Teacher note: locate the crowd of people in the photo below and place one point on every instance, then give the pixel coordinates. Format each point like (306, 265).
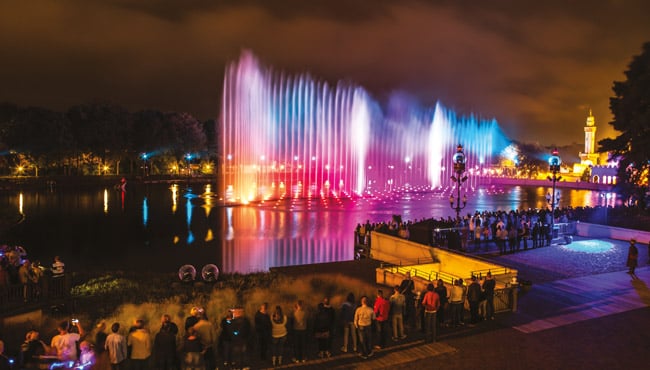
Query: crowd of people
(16, 270)
(510, 231)
(272, 336)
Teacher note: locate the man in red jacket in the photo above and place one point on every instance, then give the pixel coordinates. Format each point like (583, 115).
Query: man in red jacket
(431, 304)
(382, 313)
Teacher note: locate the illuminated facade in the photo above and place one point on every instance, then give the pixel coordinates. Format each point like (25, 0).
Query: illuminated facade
(589, 157)
(591, 160)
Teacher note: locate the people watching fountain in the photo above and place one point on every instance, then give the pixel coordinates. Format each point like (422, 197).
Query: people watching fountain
(64, 344)
(58, 267)
(116, 348)
(140, 342)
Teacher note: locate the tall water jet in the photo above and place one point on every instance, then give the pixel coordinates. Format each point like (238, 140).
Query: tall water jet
(290, 136)
(296, 136)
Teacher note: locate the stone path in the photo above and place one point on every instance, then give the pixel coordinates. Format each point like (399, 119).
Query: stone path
(569, 301)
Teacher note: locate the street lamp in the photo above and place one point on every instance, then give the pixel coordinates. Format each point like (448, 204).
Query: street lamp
(145, 157)
(554, 163)
(459, 179)
(188, 159)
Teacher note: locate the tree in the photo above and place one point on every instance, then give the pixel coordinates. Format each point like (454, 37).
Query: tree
(631, 110)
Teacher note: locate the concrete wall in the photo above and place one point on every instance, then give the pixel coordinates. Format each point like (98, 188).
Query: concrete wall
(398, 251)
(402, 252)
(617, 233)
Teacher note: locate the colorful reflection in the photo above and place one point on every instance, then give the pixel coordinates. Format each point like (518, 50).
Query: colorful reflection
(201, 230)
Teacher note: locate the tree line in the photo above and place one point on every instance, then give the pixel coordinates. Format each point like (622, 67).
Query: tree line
(103, 139)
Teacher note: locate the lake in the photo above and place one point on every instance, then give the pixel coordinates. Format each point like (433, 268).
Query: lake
(160, 227)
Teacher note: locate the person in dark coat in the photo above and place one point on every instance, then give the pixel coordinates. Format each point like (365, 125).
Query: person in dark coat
(632, 257)
(263, 330)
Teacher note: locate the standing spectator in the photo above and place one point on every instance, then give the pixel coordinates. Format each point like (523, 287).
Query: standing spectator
(512, 237)
(474, 298)
(441, 290)
(31, 349)
(58, 267)
(382, 312)
(502, 237)
(347, 321)
(323, 327)
(140, 342)
(535, 234)
(65, 343)
(116, 348)
(397, 305)
(29, 280)
(167, 320)
(457, 299)
(278, 335)
(206, 332)
(236, 330)
(431, 304)
(632, 257)
(4, 360)
(363, 318)
(164, 346)
(488, 289)
(407, 288)
(100, 344)
(299, 332)
(193, 318)
(192, 351)
(263, 329)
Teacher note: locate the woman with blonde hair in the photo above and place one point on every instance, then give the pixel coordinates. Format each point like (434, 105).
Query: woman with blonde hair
(278, 335)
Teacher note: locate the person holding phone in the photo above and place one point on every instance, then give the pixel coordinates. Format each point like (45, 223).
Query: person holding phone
(65, 343)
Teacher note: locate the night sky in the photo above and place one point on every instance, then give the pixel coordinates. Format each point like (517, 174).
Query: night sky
(535, 66)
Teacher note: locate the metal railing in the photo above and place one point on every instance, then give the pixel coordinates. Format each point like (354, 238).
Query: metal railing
(494, 271)
(48, 290)
(420, 273)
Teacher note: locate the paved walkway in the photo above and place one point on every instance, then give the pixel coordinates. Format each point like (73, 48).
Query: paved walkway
(568, 301)
(581, 309)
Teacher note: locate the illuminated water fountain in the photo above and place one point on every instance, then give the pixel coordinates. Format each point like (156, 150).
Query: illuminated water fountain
(296, 136)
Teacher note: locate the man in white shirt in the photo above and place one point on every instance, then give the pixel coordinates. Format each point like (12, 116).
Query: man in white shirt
(363, 317)
(65, 343)
(116, 347)
(140, 342)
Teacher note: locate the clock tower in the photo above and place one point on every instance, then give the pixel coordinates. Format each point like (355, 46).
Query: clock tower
(589, 157)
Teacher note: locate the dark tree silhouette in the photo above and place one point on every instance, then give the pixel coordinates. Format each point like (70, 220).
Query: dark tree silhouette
(631, 109)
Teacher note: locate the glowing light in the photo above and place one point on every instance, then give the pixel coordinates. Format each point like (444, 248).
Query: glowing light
(145, 211)
(589, 246)
(174, 190)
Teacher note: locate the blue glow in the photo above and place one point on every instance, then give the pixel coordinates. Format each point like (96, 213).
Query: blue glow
(145, 211)
(189, 207)
(589, 246)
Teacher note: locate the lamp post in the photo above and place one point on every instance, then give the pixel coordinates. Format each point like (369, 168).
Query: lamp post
(459, 179)
(145, 157)
(554, 163)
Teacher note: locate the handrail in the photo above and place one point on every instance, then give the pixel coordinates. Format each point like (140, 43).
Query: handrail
(494, 271)
(426, 275)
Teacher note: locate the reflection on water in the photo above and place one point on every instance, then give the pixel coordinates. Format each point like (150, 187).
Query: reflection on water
(145, 227)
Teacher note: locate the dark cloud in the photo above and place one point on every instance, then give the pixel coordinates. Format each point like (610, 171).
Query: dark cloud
(339, 10)
(537, 67)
